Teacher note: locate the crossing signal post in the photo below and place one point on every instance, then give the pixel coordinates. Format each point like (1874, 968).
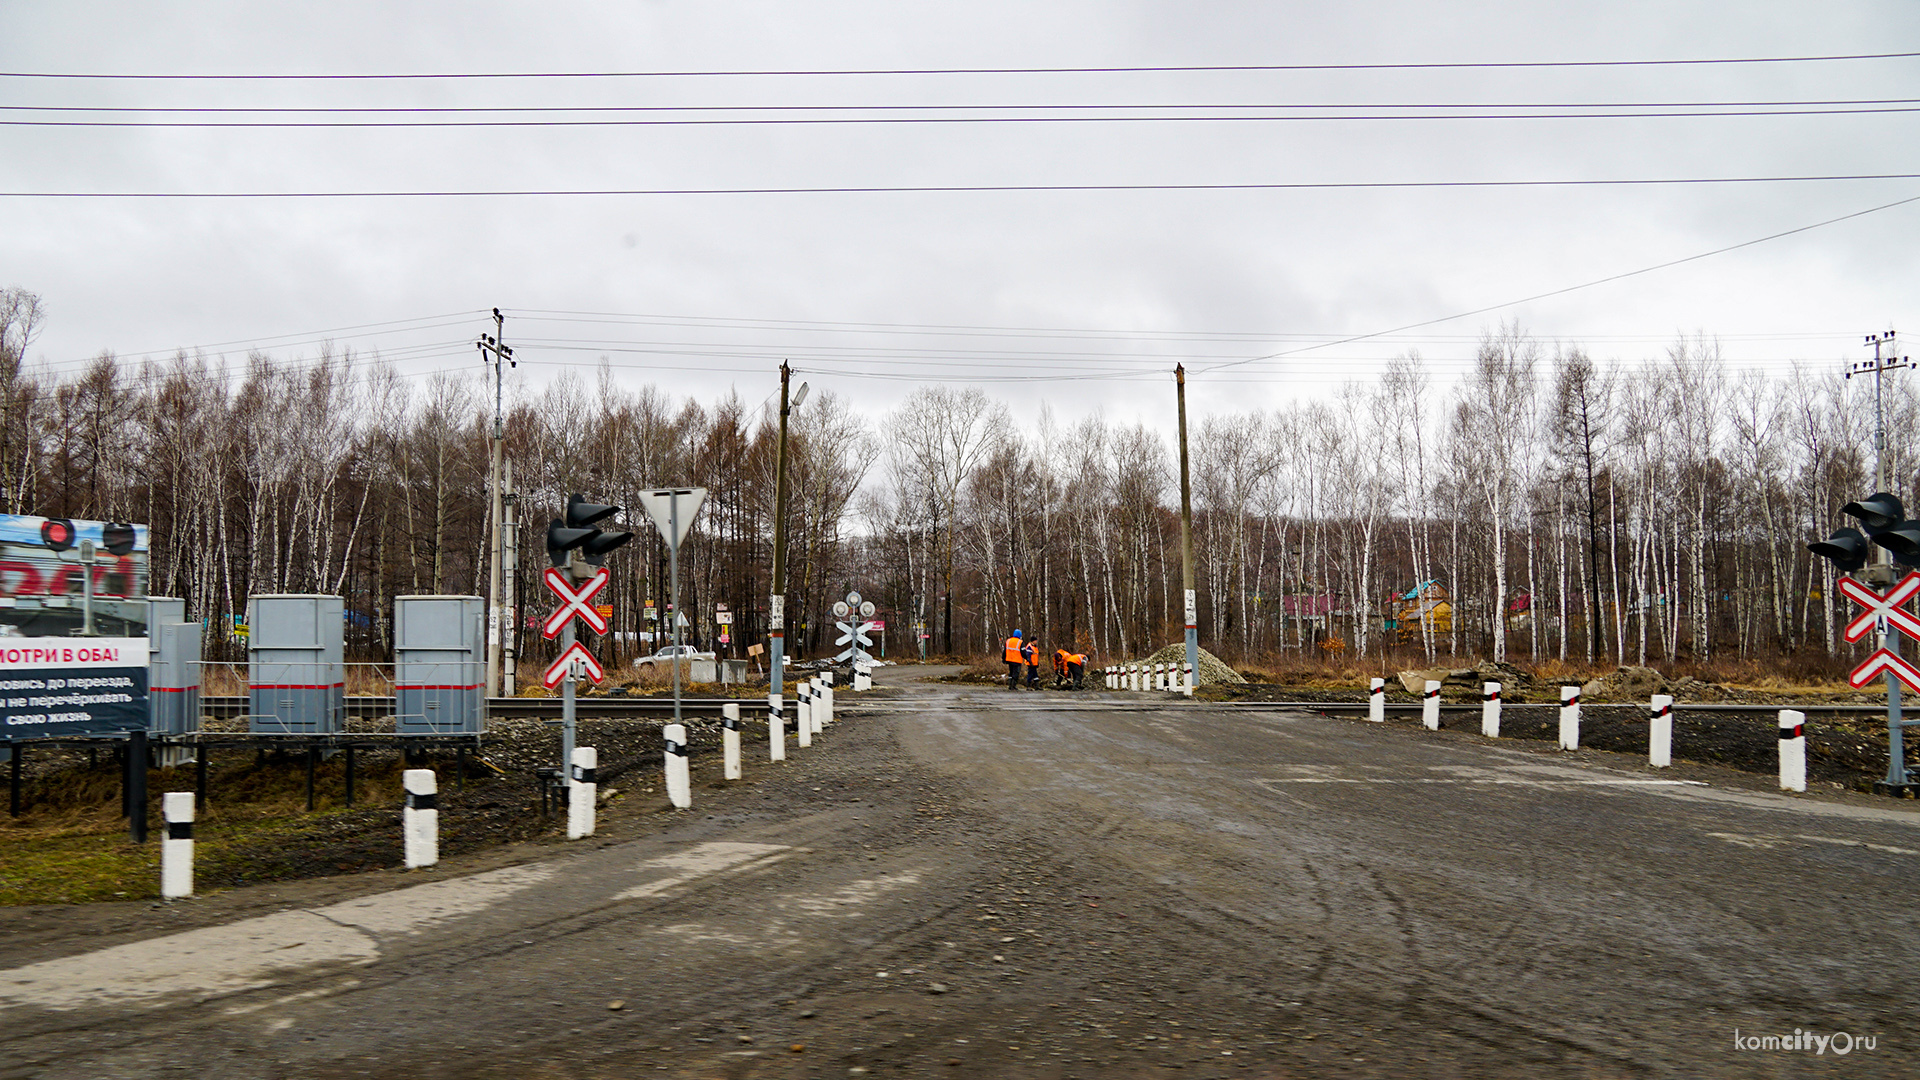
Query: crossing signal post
(578, 551)
(1885, 536)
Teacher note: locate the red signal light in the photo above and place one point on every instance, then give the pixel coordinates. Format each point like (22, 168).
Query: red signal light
(57, 533)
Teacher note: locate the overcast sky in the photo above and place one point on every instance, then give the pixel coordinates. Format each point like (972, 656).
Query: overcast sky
(705, 292)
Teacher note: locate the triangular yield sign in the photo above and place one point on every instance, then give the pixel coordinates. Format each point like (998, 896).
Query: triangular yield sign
(667, 516)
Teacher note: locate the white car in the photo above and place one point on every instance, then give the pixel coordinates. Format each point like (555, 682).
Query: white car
(671, 653)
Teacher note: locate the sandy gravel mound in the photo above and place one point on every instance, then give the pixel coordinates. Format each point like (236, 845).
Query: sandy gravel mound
(1212, 668)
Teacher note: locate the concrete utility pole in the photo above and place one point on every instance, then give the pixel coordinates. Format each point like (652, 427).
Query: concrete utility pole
(493, 350)
(509, 579)
(1186, 539)
(776, 603)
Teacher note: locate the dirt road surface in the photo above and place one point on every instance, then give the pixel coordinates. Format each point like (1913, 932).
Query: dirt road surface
(965, 882)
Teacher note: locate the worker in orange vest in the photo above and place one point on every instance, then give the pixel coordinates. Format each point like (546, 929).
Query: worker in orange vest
(1015, 661)
(1060, 666)
(1077, 670)
(1030, 652)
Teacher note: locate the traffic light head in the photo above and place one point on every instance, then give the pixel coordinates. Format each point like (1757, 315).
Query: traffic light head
(581, 513)
(1903, 540)
(561, 540)
(118, 539)
(1847, 548)
(576, 532)
(57, 533)
(1877, 511)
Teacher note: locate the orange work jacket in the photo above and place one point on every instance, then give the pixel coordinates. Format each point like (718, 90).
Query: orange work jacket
(1013, 651)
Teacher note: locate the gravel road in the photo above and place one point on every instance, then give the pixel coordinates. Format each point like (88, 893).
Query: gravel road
(966, 882)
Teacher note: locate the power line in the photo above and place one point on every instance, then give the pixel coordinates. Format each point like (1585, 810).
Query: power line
(462, 110)
(1574, 288)
(929, 121)
(938, 189)
(809, 72)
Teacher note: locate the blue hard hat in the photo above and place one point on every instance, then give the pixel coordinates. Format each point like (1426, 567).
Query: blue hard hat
(1016, 633)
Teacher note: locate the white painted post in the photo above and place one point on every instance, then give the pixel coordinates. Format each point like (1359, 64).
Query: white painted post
(176, 848)
(1490, 710)
(1106, 674)
(803, 711)
(1569, 718)
(1660, 731)
(862, 678)
(1430, 706)
(776, 729)
(1377, 701)
(420, 820)
(826, 688)
(1793, 750)
(730, 741)
(1187, 680)
(1165, 671)
(582, 790)
(679, 779)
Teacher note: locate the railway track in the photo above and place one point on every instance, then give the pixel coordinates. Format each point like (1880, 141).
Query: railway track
(230, 706)
(227, 707)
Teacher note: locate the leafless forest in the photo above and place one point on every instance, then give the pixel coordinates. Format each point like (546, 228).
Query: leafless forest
(1648, 509)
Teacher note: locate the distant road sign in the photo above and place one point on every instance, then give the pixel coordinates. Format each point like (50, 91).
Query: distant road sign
(574, 602)
(1880, 607)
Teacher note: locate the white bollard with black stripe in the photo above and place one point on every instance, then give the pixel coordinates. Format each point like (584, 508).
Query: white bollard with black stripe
(1569, 718)
(420, 820)
(803, 711)
(1186, 680)
(1660, 731)
(730, 741)
(583, 788)
(1377, 701)
(176, 848)
(1793, 750)
(826, 691)
(776, 729)
(679, 776)
(862, 678)
(1490, 710)
(1430, 706)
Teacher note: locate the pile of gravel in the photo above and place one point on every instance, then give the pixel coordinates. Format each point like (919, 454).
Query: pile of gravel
(1212, 668)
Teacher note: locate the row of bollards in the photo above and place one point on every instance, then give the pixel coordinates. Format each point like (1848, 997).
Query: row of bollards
(420, 814)
(1793, 740)
(1175, 678)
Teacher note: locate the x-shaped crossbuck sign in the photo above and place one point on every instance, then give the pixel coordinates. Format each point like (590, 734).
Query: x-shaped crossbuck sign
(574, 602)
(1879, 607)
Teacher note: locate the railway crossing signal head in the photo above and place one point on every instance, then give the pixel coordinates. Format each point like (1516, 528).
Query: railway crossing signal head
(1876, 512)
(118, 539)
(577, 532)
(57, 533)
(1847, 548)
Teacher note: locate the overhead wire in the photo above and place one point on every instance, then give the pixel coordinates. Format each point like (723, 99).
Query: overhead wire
(875, 189)
(1109, 69)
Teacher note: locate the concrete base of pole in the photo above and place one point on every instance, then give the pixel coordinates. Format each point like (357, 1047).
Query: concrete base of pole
(176, 845)
(1569, 718)
(582, 789)
(679, 776)
(1490, 710)
(730, 741)
(776, 729)
(1660, 731)
(420, 820)
(1430, 706)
